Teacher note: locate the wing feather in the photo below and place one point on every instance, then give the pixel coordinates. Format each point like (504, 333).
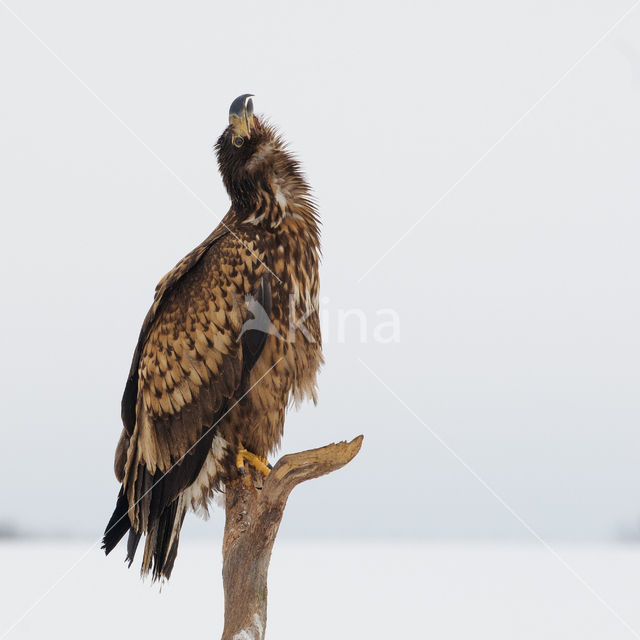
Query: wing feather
(129, 399)
(189, 364)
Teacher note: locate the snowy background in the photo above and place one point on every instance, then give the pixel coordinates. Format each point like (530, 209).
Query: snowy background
(333, 590)
(476, 166)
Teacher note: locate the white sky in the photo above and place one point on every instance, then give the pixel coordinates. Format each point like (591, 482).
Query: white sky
(517, 293)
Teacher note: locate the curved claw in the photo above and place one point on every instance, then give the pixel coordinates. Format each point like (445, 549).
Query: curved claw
(261, 464)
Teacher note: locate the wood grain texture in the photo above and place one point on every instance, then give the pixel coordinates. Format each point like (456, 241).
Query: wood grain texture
(253, 515)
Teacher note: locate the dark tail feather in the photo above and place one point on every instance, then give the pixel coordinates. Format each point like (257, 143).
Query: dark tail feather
(118, 525)
(132, 545)
(161, 546)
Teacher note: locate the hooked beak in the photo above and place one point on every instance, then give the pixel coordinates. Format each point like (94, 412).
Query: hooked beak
(241, 115)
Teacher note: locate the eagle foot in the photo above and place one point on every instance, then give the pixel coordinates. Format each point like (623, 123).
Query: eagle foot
(261, 464)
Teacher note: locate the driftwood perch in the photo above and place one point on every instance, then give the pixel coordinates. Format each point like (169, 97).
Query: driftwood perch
(253, 516)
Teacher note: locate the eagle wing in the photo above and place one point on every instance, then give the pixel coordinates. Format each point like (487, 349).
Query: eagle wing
(188, 365)
(130, 396)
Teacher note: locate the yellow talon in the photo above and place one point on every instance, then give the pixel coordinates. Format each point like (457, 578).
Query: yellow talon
(261, 464)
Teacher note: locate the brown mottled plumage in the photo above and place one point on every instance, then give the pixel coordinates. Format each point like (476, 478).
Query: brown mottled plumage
(232, 337)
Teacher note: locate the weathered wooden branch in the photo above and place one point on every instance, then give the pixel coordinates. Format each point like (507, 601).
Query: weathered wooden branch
(253, 516)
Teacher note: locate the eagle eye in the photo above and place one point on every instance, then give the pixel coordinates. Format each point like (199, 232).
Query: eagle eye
(237, 141)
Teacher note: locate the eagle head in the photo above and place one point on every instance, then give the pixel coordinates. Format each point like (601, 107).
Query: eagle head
(252, 158)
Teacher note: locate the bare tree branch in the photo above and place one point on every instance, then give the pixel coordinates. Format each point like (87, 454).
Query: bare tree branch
(253, 516)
